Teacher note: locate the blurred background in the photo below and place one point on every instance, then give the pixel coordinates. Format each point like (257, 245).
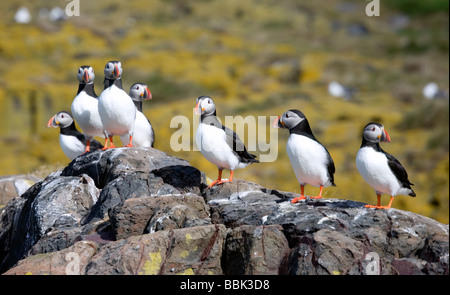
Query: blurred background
(328, 59)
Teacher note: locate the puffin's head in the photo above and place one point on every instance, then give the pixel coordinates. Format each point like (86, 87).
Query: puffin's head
(140, 92)
(289, 119)
(374, 132)
(113, 70)
(86, 74)
(61, 119)
(205, 106)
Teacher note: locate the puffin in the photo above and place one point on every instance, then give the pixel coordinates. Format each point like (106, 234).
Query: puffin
(85, 107)
(310, 160)
(72, 142)
(382, 171)
(144, 135)
(218, 144)
(115, 107)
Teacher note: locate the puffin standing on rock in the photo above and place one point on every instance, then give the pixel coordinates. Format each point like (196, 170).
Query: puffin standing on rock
(116, 108)
(85, 107)
(219, 144)
(144, 135)
(310, 160)
(72, 142)
(380, 170)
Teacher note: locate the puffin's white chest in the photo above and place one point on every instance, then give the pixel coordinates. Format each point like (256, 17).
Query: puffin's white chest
(85, 111)
(308, 159)
(143, 132)
(71, 146)
(117, 111)
(374, 168)
(211, 141)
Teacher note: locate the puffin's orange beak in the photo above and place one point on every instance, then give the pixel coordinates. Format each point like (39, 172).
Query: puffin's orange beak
(276, 123)
(86, 76)
(385, 137)
(50, 122)
(116, 71)
(148, 95)
(196, 110)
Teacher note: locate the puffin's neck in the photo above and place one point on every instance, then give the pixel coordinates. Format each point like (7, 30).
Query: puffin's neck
(374, 145)
(68, 130)
(138, 104)
(88, 88)
(208, 117)
(304, 129)
(109, 82)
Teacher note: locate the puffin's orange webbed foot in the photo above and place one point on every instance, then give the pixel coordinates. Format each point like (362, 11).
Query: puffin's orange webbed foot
(215, 182)
(298, 199)
(378, 204)
(377, 207)
(316, 197)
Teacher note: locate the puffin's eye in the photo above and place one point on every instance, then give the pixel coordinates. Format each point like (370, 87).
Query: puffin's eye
(137, 87)
(209, 101)
(373, 129)
(287, 116)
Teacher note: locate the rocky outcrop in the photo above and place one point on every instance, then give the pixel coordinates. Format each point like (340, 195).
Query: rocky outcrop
(14, 186)
(141, 211)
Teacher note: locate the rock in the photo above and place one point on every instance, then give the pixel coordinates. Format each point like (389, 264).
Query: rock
(134, 172)
(104, 166)
(141, 211)
(63, 202)
(332, 236)
(53, 203)
(150, 214)
(13, 186)
(195, 250)
(240, 202)
(70, 261)
(255, 250)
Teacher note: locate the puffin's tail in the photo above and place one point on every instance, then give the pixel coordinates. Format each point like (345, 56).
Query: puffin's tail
(253, 159)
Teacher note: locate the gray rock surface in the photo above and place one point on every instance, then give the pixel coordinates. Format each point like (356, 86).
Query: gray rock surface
(141, 211)
(13, 186)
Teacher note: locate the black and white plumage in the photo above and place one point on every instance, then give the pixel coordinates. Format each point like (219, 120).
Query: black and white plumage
(85, 106)
(219, 144)
(72, 142)
(310, 160)
(382, 171)
(116, 108)
(144, 135)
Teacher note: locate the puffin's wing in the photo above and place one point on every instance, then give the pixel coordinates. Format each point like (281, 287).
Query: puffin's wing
(330, 163)
(80, 136)
(330, 168)
(398, 170)
(238, 147)
(153, 132)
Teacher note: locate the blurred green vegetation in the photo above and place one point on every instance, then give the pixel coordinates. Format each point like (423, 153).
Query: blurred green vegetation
(255, 58)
